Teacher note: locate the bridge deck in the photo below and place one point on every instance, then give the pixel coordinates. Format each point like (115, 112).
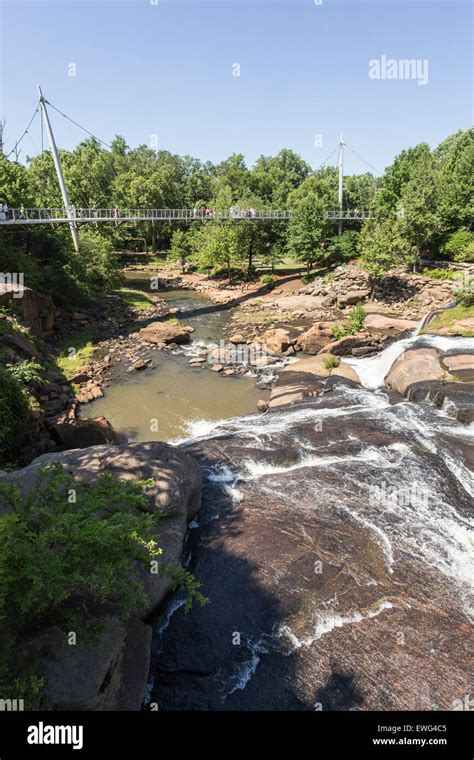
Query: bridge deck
(80, 216)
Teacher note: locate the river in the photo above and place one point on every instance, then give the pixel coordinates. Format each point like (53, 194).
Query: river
(182, 399)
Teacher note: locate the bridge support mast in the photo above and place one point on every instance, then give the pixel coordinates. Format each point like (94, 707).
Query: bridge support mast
(341, 183)
(59, 171)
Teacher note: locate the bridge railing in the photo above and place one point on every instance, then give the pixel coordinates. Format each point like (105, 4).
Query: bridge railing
(352, 214)
(81, 214)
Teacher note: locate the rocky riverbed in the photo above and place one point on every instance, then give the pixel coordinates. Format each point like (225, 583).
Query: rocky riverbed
(334, 544)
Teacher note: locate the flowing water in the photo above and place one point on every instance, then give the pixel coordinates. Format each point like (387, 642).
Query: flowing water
(335, 544)
(183, 400)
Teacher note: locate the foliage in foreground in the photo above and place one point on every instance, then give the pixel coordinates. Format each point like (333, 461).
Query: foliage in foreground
(69, 556)
(14, 415)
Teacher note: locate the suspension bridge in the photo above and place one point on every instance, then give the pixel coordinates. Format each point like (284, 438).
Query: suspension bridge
(76, 216)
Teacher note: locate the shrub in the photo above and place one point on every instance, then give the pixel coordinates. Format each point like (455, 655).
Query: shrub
(465, 296)
(356, 318)
(354, 323)
(459, 246)
(26, 372)
(439, 274)
(14, 416)
(268, 279)
(331, 362)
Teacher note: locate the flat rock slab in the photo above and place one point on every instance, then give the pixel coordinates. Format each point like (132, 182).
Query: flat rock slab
(327, 591)
(388, 325)
(302, 378)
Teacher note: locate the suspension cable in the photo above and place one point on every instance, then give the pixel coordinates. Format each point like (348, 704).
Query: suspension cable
(363, 159)
(24, 133)
(78, 125)
(325, 161)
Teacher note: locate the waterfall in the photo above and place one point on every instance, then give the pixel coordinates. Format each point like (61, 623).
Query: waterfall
(373, 370)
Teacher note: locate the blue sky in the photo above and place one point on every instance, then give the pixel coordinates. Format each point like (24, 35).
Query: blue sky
(165, 69)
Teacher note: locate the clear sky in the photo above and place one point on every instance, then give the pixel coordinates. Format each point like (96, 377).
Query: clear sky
(166, 68)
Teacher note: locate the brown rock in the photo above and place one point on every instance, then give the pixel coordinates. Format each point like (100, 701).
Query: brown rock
(352, 297)
(165, 332)
(313, 340)
(303, 378)
(37, 309)
(237, 338)
(461, 365)
(217, 367)
(84, 433)
(415, 366)
(139, 364)
(278, 341)
(344, 370)
(387, 325)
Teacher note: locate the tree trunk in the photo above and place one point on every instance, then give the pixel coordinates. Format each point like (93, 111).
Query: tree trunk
(228, 271)
(250, 259)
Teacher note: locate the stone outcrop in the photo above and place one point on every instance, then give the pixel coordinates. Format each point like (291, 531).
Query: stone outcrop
(346, 372)
(461, 365)
(350, 344)
(346, 531)
(36, 308)
(111, 675)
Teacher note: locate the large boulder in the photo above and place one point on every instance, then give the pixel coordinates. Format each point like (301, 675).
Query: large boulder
(37, 309)
(278, 341)
(165, 332)
(346, 372)
(313, 340)
(352, 297)
(83, 433)
(415, 366)
(112, 673)
(348, 344)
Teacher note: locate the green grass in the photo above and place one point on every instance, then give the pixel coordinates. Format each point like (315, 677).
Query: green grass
(134, 299)
(447, 319)
(75, 353)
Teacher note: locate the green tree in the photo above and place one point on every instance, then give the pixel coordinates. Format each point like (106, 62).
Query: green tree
(14, 187)
(180, 248)
(382, 246)
(308, 231)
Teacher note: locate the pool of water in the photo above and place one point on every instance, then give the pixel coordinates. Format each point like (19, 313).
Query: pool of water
(172, 400)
